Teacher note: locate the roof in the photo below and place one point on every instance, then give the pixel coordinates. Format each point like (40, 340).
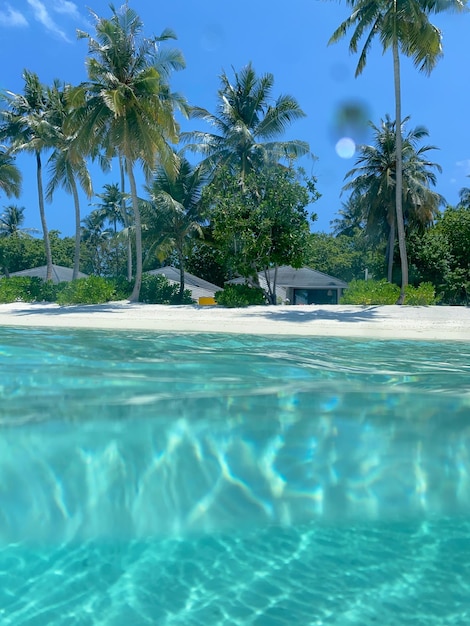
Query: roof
(198, 287)
(303, 278)
(60, 274)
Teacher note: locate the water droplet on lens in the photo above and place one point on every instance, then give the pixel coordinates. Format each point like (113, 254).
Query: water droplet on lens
(345, 148)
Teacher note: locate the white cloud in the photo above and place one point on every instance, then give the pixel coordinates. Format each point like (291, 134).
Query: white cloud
(66, 8)
(10, 17)
(464, 165)
(41, 14)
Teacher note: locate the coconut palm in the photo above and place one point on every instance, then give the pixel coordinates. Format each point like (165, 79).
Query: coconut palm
(24, 124)
(351, 218)
(110, 205)
(10, 175)
(67, 165)
(374, 180)
(11, 222)
(402, 26)
(127, 215)
(126, 106)
(246, 125)
(464, 197)
(173, 215)
(114, 210)
(96, 236)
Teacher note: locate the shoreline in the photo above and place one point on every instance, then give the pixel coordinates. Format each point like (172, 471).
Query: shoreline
(373, 322)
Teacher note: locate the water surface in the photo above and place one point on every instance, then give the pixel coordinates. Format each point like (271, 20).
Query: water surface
(214, 479)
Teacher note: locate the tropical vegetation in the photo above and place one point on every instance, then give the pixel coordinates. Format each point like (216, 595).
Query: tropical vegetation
(230, 199)
(404, 27)
(246, 125)
(373, 184)
(126, 107)
(26, 126)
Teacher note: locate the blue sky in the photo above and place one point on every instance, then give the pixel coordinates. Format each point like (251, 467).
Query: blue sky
(290, 43)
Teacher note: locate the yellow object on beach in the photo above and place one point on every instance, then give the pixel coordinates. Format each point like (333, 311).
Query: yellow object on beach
(207, 301)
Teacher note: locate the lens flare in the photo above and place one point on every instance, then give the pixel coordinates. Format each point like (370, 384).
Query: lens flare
(345, 148)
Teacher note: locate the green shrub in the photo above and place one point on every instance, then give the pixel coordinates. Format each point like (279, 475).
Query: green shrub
(122, 287)
(423, 295)
(47, 291)
(15, 289)
(370, 292)
(156, 289)
(383, 292)
(26, 289)
(91, 290)
(240, 295)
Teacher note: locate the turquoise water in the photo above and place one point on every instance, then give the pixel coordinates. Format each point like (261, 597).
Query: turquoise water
(213, 479)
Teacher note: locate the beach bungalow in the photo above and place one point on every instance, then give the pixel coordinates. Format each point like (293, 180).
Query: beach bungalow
(201, 290)
(60, 274)
(302, 286)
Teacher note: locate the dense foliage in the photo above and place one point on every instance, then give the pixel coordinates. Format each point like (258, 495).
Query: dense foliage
(90, 290)
(26, 289)
(367, 292)
(442, 255)
(240, 296)
(262, 221)
(243, 208)
(158, 290)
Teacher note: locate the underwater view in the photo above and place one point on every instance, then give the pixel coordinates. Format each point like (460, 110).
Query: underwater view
(158, 478)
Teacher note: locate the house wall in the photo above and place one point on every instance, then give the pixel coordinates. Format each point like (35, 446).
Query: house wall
(315, 296)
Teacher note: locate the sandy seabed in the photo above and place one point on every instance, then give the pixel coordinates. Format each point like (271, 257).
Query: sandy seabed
(380, 322)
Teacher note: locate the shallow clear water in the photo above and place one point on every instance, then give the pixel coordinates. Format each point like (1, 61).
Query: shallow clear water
(207, 479)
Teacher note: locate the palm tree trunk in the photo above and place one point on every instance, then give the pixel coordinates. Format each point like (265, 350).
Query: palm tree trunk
(126, 222)
(399, 174)
(134, 297)
(181, 262)
(391, 250)
(42, 213)
(76, 254)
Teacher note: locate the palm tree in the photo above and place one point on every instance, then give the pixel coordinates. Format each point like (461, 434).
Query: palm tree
(464, 197)
(67, 165)
(95, 236)
(10, 175)
(11, 222)
(403, 26)
(25, 125)
(173, 215)
(110, 205)
(113, 209)
(127, 106)
(351, 218)
(246, 125)
(374, 181)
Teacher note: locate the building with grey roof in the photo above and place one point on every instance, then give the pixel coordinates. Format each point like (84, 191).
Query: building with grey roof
(302, 286)
(198, 287)
(60, 274)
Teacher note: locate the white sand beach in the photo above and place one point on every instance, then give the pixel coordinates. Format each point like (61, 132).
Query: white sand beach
(381, 322)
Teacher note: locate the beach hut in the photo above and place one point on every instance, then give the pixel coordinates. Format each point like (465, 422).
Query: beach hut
(60, 274)
(201, 290)
(302, 286)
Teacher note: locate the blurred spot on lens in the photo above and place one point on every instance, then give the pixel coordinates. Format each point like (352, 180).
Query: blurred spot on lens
(345, 147)
(351, 119)
(212, 37)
